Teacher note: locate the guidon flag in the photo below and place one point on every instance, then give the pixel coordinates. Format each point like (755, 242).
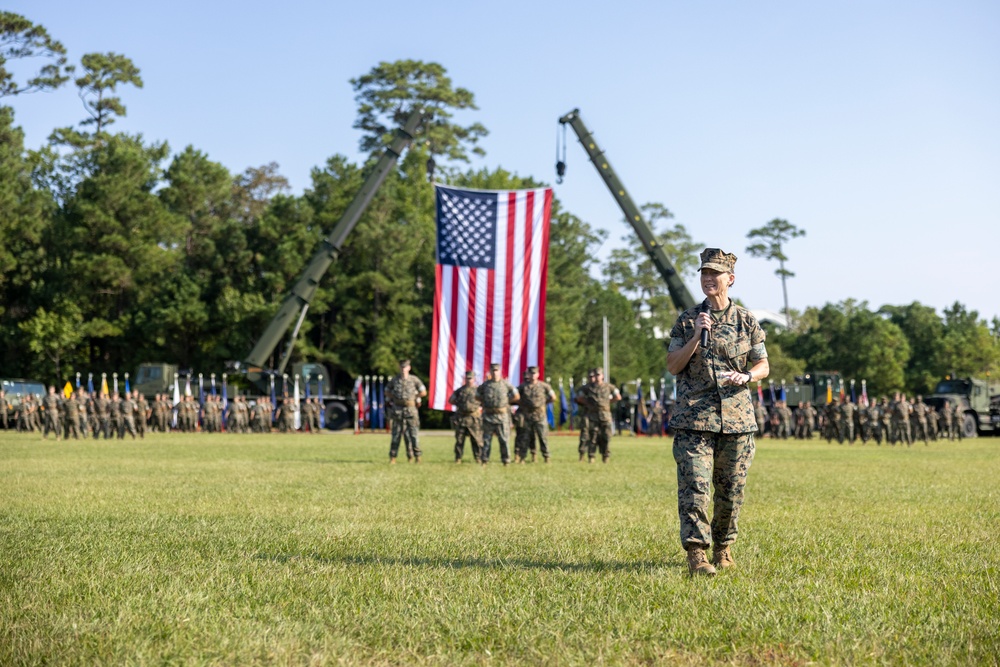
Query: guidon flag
(490, 282)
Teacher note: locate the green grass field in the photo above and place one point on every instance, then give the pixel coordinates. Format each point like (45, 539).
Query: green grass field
(302, 550)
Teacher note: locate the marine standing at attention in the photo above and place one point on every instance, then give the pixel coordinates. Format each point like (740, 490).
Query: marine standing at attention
(535, 396)
(402, 396)
(496, 395)
(597, 398)
(467, 420)
(713, 418)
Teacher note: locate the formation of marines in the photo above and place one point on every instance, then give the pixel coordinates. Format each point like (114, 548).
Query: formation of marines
(893, 421)
(112, 415)
(481, 412)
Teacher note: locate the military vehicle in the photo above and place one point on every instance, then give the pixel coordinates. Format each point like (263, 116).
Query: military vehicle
(808, 388)
(339, 409)
(156, 378)
(16, 388)
(975, 397)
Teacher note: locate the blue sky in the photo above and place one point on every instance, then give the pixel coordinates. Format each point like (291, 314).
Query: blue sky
(874, 126)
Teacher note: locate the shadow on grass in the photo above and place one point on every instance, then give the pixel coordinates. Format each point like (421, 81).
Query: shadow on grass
(476, 563)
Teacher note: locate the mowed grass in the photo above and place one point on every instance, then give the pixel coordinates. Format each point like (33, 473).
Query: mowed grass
(301, 550)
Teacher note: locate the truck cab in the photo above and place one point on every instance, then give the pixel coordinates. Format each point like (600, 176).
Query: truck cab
(974, 396)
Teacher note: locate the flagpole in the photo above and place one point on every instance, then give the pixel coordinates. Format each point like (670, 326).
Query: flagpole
(607, 367)
(572, 405)
(322, 405)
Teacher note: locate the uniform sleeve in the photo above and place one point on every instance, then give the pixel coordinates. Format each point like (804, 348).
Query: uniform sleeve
(675, 344)
(420, 385)
(678, 337)
(757, 337)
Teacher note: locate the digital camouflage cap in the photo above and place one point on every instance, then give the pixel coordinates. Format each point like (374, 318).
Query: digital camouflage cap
(718, 260)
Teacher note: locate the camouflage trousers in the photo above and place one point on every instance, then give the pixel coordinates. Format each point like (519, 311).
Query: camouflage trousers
(711, 459)
(919, 429)
(52, 424)
(468, 427)
(901, 432)
(530, 430)
(882, 430)
(501, 429)
(71, 428)
(584, 436)
(845, 431)
(600, 438)
(126, 425)
(405, 426)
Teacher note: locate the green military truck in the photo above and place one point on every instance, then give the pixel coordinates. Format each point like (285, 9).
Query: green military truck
(974, 395)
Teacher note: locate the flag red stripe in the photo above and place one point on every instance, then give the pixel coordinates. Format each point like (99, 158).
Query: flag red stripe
(543, 278)
(435, 323)
(470, 336)
(452, 340)
(491, 278)
(529, 210)
(508, 297)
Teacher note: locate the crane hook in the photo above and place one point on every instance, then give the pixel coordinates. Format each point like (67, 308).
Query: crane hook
(561, 160)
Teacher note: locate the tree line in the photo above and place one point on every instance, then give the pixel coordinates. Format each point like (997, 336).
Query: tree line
(117, 250)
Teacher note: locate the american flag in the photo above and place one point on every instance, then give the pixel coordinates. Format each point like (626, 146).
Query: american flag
(489, 297)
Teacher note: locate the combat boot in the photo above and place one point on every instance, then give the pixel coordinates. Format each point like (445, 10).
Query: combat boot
(416, 459)
(532, 457)
(698, 564)
(392, 460)
(722, 558)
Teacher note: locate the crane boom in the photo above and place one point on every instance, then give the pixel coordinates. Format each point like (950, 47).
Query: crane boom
(305, 287)
(679, 293)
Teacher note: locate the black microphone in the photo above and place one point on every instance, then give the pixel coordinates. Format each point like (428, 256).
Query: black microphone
(704, 332)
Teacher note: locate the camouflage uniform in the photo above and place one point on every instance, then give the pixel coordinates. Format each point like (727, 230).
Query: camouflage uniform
(3, 409)
(467, 421)
(495, 396)
(787, 421)
(846, 423)
(947, 419)
(128, 409)
(242, 412)
(958, 414)
(71, 406)
(401, 394)
(141, 415)
(34, 414)
(535, 396)
(760, 416)
(656, 419)
(901, 422)
(864, 413)
(597, 398)
(714, 425)
(51, 404)
(115, 419)
(584, 434)
(920, 420)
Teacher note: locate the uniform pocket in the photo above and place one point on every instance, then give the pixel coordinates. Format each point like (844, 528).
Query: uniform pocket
(737, 350)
